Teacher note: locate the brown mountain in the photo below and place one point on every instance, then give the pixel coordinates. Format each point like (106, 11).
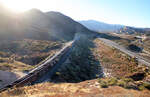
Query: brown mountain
(35, 24)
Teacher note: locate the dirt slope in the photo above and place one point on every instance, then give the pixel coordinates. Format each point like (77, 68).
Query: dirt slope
(84, 89)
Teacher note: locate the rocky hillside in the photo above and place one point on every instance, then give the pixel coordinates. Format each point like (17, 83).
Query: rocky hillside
(35, 24)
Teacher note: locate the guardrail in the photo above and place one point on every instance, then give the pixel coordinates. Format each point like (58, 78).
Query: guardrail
(39, 71)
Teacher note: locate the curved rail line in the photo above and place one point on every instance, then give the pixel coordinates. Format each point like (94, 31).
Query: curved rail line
(41, 70)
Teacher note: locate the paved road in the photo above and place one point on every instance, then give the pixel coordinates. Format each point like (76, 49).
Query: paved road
(121, 48)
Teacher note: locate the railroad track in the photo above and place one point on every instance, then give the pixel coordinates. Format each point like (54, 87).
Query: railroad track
(41, 70)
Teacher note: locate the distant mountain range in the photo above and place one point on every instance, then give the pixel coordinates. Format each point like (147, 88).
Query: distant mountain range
(100, 26)
(35, 24)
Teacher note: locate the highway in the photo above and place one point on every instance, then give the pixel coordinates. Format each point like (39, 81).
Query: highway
(126, 51)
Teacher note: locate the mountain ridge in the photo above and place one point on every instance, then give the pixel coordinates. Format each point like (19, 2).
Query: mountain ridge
(100, 26)
(35, 24)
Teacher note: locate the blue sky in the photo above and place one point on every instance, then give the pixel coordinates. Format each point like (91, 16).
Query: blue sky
(126, 12)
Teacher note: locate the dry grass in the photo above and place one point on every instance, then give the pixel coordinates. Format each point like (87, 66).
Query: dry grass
(81, 64)
(15, 66)
(127, 83)
(84, 89)
(23, 55)
(121, 66)
(117, 63)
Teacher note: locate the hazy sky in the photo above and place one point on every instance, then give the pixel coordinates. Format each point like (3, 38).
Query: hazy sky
(126, 12)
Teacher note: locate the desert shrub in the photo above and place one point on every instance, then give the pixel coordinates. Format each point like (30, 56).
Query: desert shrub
(103, 83)
(144, 85)
(82, 66)
(135, 48)
(127, 79)
(106, 60)
(122, 83)
(118, 55)
(112, 81)
(58, 73)
(137, 76)
(16, 92)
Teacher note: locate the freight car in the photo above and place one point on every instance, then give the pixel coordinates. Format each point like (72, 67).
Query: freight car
(39, 71)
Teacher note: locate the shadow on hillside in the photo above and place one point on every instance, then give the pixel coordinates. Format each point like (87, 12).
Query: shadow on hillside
(110, 37)
(81, 65)
(7, 78)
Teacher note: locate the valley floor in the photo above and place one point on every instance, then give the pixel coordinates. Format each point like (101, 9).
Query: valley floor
(123, 76)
